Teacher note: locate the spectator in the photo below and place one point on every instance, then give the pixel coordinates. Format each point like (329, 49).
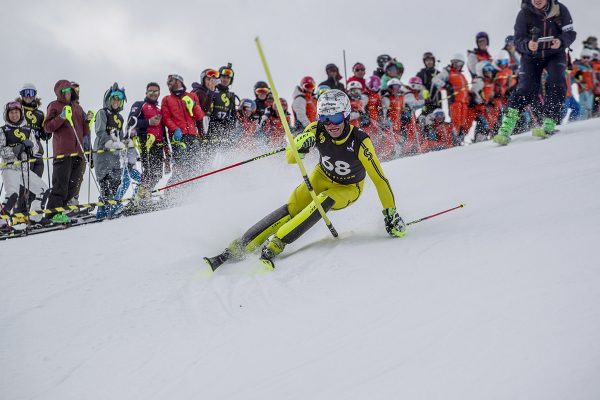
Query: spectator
(479, 53)
(261, 91)
(66, 122)
(333, 78)
(382, 60)
(304, 105)
(393, 70)
(427, 74)
(515, 57)
(205, 91)
(359, 75)
(34, 118)
(222, 119)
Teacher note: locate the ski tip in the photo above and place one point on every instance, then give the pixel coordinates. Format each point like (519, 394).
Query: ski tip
(267, 265)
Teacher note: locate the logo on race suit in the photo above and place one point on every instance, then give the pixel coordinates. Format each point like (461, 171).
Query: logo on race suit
(351, 147)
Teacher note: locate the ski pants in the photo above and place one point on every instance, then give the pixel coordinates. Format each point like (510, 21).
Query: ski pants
(18, 181)
(67, 176)
(529, 87)
(462, 118)
(573, 105)
(300, 213)
(109, 185)
(586, 101)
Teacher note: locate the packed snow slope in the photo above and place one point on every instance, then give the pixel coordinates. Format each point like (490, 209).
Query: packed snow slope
(495, 301)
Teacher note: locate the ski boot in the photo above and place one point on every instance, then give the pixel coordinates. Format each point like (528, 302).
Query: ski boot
(60, 218)
(509, 121)
(274, 247)
(234, 252)
(548, 128)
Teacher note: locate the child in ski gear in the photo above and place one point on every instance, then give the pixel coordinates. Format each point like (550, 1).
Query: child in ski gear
(414, 94)
(487, 105)
(427, 74)
(182, 116)
(479, 53)
(584, 75)
(146, 127)
(358, 70)
(374, 112)
(539, 18)
(66, 121)
(109, 136)
(570, 102)
(18, 143)
(455, 83)
(34, 118)
(393, 69)
(304, 105)
(261, 91)
(438, 134)
(392, 106)
(247, 123)
(333, 78)
(272, 127)
(346, 157)
(514, 58)
(358, 103)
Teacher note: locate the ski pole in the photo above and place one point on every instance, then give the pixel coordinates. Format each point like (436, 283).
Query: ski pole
(345, 71)
(219, 170)
(48, 163)
(290, 139)
(436, 214)
(84, 157)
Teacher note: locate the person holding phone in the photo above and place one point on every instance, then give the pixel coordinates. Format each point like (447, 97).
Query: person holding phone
(543, 30)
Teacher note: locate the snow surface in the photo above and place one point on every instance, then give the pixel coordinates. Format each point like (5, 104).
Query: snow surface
(495, 301)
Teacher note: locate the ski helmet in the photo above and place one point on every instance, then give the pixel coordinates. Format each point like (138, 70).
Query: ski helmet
(115, 91)
(509, 40)
(322, 89)
(261, 85)
(248, 103)
(13, 105)
(28, 90)
(415, 83)
(502, 58)
(383, 59)
(331, 67)
(333, 102)
(374, 83)
(482, 35)
(394, 81)
(586, 53)
(227, 71)
(354, 85)
(428, 56)
(488, 67)
(457, 58)
(308, 84)
(210, 73)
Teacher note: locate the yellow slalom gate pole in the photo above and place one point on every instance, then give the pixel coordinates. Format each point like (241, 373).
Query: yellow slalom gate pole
(290, 139)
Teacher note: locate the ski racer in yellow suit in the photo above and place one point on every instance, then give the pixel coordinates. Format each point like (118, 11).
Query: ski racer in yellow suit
(346, 156)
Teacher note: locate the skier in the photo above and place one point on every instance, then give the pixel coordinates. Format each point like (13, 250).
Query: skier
(333, 78)
(66, 121)
(453, 80)
(261, 91)
(479, 53)
(427, 74)
(109, 136)
(34, 118)
(145, 124)
(304, 105)
(222, 119)
(18, 143)
(358, 70)
(539, 18)
(346, 156)
(182, 116)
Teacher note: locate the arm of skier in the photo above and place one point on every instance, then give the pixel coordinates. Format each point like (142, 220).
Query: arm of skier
(369, 160)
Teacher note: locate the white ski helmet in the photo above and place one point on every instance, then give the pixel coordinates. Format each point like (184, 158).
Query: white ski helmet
(457, 57)
(394, 81)
(503, 55)
(587, 53)
(332, 102)
(354, 85)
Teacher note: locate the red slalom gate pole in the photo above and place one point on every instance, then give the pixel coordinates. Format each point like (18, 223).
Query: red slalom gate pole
(436, 214)
(219, 170)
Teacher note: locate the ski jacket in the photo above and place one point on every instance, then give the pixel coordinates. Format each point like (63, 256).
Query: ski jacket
(358, 116)
(10, 136)
(584, 76)
(392, 110)
(206, 98)
(139, 116)
(505, 80)
(555, 21)
(333, 84)
(34, 118)
(455, 83)
(348, 159)
(438, 136)
(413, 100)
(177, 115)
(66, 139)
(109, 135)
(273, 129)
(373, 106)
(304, 108)
(474, 57)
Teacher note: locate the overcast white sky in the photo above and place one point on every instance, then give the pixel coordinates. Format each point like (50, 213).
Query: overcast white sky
(133, 42)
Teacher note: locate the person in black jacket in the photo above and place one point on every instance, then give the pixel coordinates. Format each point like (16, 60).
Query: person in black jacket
(539, 19)
(427, 74)
(223, 119)
(333, 78)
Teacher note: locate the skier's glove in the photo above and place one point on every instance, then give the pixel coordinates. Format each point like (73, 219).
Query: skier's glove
(18, 150)
(304, 142)
(27, 143)
(394, 225)
(67, 113)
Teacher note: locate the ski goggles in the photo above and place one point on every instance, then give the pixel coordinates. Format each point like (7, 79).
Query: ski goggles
(227, 72)
(28, 93)
(261, 90)
(211, 73)
(502, 62)
(117, 95)
(66, 90)
(335, 119)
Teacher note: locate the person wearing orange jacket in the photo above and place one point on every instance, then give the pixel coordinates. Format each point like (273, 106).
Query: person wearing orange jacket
(438, 134)
(272, 126)
(373, 128)
(487, 105)
(453, 80)
(596, 69)
(247, 122)
(304, 105)
(182, 116)
(583, 74)
(392, 104)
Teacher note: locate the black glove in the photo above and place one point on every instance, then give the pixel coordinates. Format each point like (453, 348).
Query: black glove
(27, 143)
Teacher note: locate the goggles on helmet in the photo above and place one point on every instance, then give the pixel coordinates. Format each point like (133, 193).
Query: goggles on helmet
(28, 93)
(227, 72)
(335, 119)
(261, 90)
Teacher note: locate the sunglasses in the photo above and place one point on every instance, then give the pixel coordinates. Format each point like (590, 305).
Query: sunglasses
(261, 91)
(359, 70)
(586, 58)
(153, 91)
(28, 93)
(335, 119)
(66, 90)
(227, 72)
